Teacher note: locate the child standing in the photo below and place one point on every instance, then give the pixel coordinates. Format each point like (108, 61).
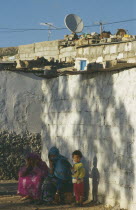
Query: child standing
(78, 173)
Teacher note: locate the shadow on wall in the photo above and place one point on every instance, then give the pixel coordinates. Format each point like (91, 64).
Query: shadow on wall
(88, 112)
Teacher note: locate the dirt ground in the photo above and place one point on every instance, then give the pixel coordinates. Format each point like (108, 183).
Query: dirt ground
(9, 200)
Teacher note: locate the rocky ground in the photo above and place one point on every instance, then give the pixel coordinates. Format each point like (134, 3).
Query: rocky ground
(10, 201)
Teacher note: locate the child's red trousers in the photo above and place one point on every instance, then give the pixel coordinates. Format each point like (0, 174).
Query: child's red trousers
(79, 190)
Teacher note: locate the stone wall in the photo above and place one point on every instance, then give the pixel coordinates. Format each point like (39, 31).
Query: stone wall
(94, 53)
(94, 113)
(47, 49)
(67, 54)
(104, 52)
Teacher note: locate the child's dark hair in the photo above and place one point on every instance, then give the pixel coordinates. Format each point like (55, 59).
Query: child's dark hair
(77, 152)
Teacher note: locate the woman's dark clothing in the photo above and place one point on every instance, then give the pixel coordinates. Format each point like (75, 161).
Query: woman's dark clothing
(60, 180)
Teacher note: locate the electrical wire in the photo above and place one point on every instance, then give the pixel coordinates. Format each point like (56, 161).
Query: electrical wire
(15, 30)
(122, 21)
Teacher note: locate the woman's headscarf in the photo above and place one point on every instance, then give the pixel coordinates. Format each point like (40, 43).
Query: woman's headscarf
(62, 168)
(33, 155)
(41, 164)
(55, 151)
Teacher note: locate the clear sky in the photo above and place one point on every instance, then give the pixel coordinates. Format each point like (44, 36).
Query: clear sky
(28, 14)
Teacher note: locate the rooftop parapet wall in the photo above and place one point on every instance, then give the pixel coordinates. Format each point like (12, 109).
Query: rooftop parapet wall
(67, 54)
(104, 52)
(94, 53)
(47, 49)
(55, 50)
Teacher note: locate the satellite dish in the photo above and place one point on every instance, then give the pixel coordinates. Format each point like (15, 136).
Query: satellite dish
(74, 23)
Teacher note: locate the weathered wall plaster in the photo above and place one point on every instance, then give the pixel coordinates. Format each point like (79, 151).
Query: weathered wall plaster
(20, 102)
(96, 114)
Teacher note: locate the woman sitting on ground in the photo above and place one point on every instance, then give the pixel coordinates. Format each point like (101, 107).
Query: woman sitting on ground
(59, 182)
(31, 177)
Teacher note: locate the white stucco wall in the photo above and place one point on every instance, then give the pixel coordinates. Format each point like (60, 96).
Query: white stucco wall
(20, 102)
(94, 113)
